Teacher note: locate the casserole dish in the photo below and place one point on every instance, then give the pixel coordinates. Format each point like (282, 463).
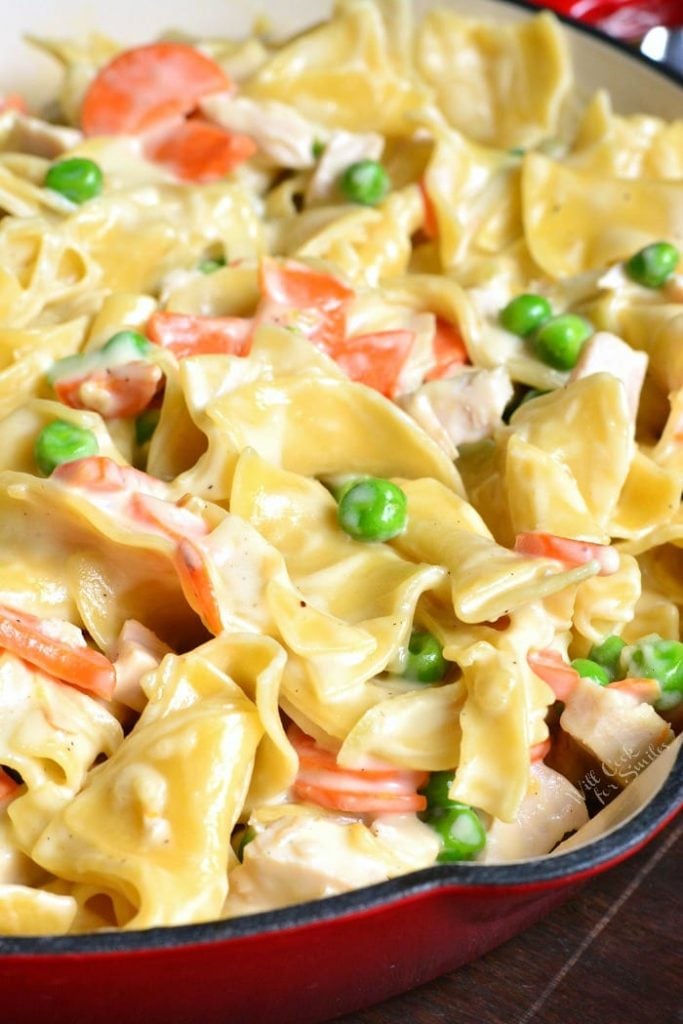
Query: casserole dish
(318, 960)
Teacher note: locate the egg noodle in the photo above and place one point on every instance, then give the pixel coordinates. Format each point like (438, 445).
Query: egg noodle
(206, 702)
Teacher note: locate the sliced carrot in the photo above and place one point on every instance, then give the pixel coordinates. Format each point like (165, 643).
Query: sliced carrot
(95, 472)
(550, 666)
(375, 359)
(170, 519)
(381, 790)
(187, 335)
(8, 786)
(643, 690)
(449, 351)
(197, 586)
(359, 803)
(21, 635)
(571, 552)
(121, 391)
(199, 151)
(430, 224)
(539, 751)
(149, 86)
(296, 285)
(13, 101)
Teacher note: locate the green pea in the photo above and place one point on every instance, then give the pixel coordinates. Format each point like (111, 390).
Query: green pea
(127, 343)
(607, 654)
(558, 342)
(248, 835)
(317, 149)
(591, 670)
(365, 182)
(654, 658)
(461, 832)
(145, 425)
(425, 662)
(436, 790)
(653, 265)
(373, 510)
(76, 178)
(525, 313)
(209, 266)
(61, 441)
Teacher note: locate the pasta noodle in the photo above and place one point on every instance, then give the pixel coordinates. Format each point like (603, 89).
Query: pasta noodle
(313, 551)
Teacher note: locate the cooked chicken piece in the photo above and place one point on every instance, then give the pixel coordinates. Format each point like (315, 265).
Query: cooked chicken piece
(551, 809)
(139, 650)
(620, 732)
(606, 353)
(460, 409)
(281, 133)
(305, 856)
(342, 149)
(24, 134)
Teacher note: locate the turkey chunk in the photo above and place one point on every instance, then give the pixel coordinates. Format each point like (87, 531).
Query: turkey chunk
(282, 135)
(138, 650)
(606, 353)
(618, 730)
(551, 809)
(460, 409)
(305, 856)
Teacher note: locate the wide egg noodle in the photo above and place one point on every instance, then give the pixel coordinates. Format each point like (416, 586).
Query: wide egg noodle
(577, 221)
(150, 821)
(487, 580)
(342, 74)
(476, 66)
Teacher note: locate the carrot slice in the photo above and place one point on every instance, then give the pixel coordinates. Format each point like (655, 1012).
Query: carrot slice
(21, 635)
(643, 690)
(13, 101)
(149, 86)
(379, 790)
(550, 666)
(121, 391)
(449, 350)
(197, 586)
(187, 335)
(571, 552)
(430, 224)
(199, 151)
(375, 359)
(539, 751)
(292, 284)
(8, 786)
(170, 519)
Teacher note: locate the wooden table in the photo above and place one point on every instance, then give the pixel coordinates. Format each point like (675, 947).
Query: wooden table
(611, 955)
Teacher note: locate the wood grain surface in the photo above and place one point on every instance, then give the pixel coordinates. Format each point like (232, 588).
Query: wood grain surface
(611, 955)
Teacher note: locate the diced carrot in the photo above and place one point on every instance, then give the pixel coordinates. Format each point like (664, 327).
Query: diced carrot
(197, 586)
(449, 351)
(121, 391)
(539, 751)
(430, 224)
(21, 635)
(13, 101)
(379, 790)
(550, 666)
(643, 690)
(375, 359)
(571, 552)
(187, 335)
(8, 786)
(295, 285)
(149, 86)
(199, 151)
(95, 472)
(338, 799)
(170, 519)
